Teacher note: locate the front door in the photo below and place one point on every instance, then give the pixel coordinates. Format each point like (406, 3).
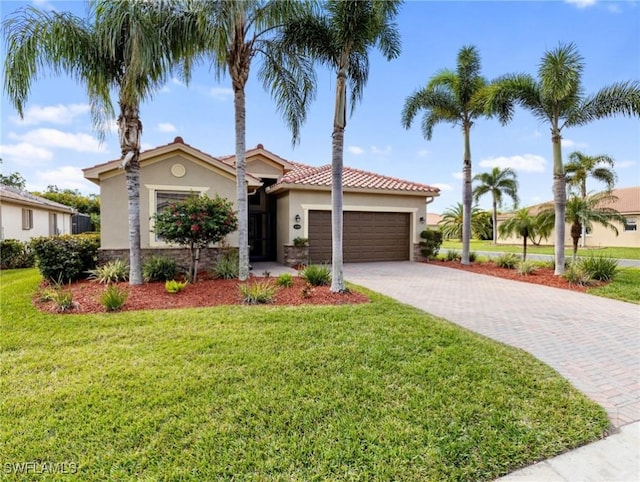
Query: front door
(262, 225)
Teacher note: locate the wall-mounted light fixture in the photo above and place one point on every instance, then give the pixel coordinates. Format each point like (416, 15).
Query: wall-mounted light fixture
(421, 219)
(297, 218)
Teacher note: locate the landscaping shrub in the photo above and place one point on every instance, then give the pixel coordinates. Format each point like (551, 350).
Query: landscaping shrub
(227, 266)
(66, 258)
(526, 268)
(317, 275)
(508, 260)
(300, 242)
(431, 245)
(473, 256)
(285, 280)
(114, 298)
(257, 292)
(599, 267)
(15, 254)
(452, 255)
(575, 274)
(159, 268)
(173, 286)
(111, 272)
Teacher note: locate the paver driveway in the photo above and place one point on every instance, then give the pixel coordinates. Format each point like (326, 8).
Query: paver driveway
(593, 342)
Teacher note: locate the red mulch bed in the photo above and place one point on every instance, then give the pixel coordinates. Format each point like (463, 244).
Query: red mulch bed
(205, 292)
(542, 276)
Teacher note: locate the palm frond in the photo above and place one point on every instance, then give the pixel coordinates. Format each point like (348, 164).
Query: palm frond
(622, 98)
(560, 71)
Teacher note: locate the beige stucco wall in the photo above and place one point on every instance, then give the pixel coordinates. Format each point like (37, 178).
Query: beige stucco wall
(157, 176)
(284, 224)
(11, 218)
(301, 202)
(264, 168)
(599, 237)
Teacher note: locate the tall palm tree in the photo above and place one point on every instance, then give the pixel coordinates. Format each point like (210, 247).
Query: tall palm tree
(455, 97)
(340, 38)
(522, 224)
(587, 211)
(232, 33)
(557, 98)
(581, 166)
(453, 218)
(498, 182)
(126, 46)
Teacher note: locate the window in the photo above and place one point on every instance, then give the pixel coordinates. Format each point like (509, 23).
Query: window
(630, 224)
(53, 224)
(27, 218)
(165, 198)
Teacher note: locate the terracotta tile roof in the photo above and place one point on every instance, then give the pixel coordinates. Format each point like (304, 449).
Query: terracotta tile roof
(22, 197)
(303, 175)
(433, 218)
(628, 200)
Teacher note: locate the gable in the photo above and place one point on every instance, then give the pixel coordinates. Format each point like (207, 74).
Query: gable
(262, 167)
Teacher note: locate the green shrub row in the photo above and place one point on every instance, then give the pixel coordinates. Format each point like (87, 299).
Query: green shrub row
(15, 254)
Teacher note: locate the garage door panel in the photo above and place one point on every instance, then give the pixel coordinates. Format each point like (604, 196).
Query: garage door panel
(367, 236)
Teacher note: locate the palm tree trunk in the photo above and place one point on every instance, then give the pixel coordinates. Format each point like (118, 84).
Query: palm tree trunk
(559, 200)
(241, 187)
(337, 149)
(524, 248)
(129, 130)
(576, 229)
(466, 194)
(495, 221)
(583, 191)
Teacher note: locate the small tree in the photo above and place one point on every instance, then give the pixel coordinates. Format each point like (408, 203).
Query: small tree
(431, 244)
(196, 222)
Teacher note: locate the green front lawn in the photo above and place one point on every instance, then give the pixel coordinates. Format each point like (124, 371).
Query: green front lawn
(625, 286)
(379, 391)
(477, 245)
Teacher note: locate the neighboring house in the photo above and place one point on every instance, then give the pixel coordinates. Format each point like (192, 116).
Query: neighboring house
(627, 204)
(287, 200)
(24, 216)
(433, 221)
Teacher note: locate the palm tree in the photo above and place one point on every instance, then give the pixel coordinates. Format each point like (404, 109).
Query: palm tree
(453, 220)
(581, 166)
(497, 182)
(232, 33)
(340, 38)
(456, 97)
(558, 98)
(522, 224)
(585, 212)
(128, 46)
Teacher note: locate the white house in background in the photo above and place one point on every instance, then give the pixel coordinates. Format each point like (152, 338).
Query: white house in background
(24, 216)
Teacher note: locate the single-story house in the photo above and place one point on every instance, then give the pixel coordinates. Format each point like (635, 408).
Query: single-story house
(383, 216)
(24, 216)
(627, 204)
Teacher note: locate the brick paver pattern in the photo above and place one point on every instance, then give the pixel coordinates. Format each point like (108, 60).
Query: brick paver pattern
(594, 342)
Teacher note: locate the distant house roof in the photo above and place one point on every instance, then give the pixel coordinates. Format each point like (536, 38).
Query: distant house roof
(312, 177)
(12, 194)
(433, 219)
(627, 202)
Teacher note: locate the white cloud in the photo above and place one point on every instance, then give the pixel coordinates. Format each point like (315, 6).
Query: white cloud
(52, 114)
(164, 90)
(381, 151)
(443, 186)
(24, 153)
(525, 163)
(581, 3)
(456, 175)
(54, 138)
(43, 5)
(177, 81)
(537, 133)
(166, 127)
(571, 143)
(625, 164)
(146, 147)
(357, 150)
(221, 93)
(65, 177)
(423, 153)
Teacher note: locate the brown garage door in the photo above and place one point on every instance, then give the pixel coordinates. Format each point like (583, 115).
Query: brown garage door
(368, 236)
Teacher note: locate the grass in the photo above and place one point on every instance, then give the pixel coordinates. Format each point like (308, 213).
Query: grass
(379, 391)
(625, 286)
(477, 245)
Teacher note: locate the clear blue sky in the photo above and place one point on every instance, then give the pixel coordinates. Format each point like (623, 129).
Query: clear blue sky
(56, 140)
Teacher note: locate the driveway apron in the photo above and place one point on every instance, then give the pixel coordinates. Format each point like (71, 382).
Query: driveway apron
(594, 342)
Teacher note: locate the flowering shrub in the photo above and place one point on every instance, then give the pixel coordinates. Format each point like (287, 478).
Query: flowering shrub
(196, 222)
